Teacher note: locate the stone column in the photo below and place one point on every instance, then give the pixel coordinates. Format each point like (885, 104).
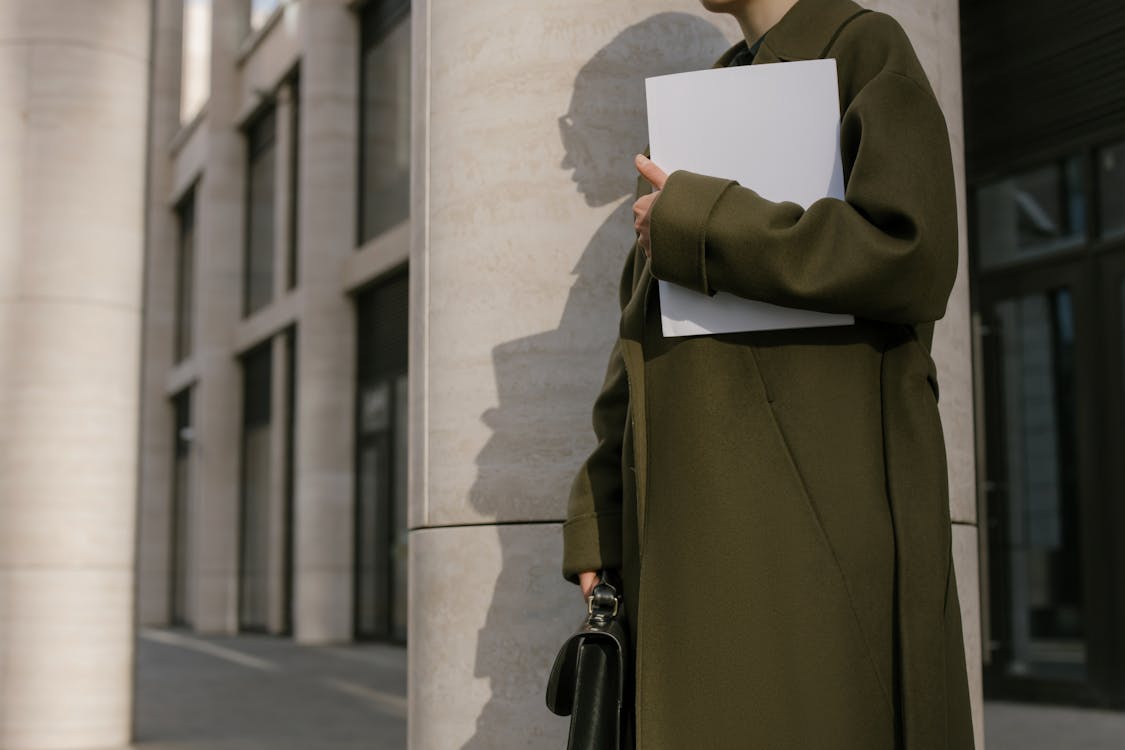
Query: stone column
(161, 243)
(217, 399)
(326, 336)
(518, 238)
(73, 93)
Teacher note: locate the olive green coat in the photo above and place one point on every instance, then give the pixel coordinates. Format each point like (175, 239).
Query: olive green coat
(777, 501)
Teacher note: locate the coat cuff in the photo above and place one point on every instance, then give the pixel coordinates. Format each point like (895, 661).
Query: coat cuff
(677, 228)
(591, 542)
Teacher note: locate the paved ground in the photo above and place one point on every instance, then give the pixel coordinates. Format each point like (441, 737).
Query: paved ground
(265, 693)
(1016, 726)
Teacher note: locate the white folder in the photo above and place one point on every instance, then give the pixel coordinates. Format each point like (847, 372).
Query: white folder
(773, 127)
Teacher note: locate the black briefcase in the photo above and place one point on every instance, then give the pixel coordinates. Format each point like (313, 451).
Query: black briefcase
(588, 678)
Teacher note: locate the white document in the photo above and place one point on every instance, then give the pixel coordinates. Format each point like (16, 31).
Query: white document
(773, 127)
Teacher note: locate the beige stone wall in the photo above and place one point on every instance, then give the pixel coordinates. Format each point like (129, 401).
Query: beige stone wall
(208, 152)
(517, 244)
(73, 82)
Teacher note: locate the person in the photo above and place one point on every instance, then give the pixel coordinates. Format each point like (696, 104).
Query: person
(777, 502)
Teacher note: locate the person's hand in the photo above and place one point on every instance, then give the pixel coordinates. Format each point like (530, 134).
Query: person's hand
(587, 579)
(643, 205)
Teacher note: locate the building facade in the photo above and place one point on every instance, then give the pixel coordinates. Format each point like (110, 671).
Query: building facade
(273, 494)
(1045, 159)
(338, 190)
(380, 244)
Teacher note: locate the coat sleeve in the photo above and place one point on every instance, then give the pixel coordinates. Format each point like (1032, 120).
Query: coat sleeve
(592, 529)
(887, 251)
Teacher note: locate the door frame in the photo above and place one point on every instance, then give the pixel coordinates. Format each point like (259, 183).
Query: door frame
(1073, 269)
(1110, 272)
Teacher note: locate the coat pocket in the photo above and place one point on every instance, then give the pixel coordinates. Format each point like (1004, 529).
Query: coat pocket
(755, 372)
(810, 508)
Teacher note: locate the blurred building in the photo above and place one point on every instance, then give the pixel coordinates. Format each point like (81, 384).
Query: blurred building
(276, 335)
(297, 154)
(1044, 92)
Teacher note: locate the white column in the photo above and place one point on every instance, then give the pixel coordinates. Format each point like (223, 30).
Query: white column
(517, 244)
(73, 92)
(161, 255)
(518, 240)
(217, 402)
(326, 335)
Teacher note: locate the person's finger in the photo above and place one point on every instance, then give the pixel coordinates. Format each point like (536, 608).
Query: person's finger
(643, 204)
(587, 579)
(648, 169)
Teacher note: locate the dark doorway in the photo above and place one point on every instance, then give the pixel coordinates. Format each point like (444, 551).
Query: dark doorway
(1050, 296)
(180, 514)
(381, 459)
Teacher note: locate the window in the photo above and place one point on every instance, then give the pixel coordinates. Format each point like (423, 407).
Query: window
(185, 269)
(381, 459)
(1043, 519)
(261, 185)
(181, 511)
(294, 177)
(195, 60)
(1032, 213)
(254, 550)
(260, 11)
(1111, 186)
(384, 182)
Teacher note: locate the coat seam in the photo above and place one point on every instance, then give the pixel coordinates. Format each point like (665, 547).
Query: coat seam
(643, 544)
(836, 562)
(825, 539)
(640, 492)
(836, 33)
(899, 715)
(705, 284)
(591, 514)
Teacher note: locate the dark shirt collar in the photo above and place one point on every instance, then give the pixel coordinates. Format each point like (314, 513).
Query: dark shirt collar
(804, 32)
(746, 56)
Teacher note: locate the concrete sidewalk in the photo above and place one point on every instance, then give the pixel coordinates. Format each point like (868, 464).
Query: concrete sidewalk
(1020, 726)
(252, 692)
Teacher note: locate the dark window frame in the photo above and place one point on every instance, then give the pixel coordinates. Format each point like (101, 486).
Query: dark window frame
(184, 311)
(181, 404)
(376, 20)
(367, 373)
(293, 199)
(256, 411)
(1091, 267)
(260, 133)
(290, 426)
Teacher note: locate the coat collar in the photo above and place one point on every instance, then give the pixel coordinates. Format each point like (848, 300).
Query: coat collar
(802, 33)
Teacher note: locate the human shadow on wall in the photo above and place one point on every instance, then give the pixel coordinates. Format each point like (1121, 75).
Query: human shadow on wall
(528, 455)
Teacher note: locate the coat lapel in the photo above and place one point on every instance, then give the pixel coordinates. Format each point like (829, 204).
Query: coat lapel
(804, 32)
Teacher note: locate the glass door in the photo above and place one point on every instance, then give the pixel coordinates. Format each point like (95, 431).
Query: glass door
(1045, 506)
(254, 511)
(372, 501)
(1049, 290)
(181, 509)
(381, 529)
(1111, 277)
(381, 460)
